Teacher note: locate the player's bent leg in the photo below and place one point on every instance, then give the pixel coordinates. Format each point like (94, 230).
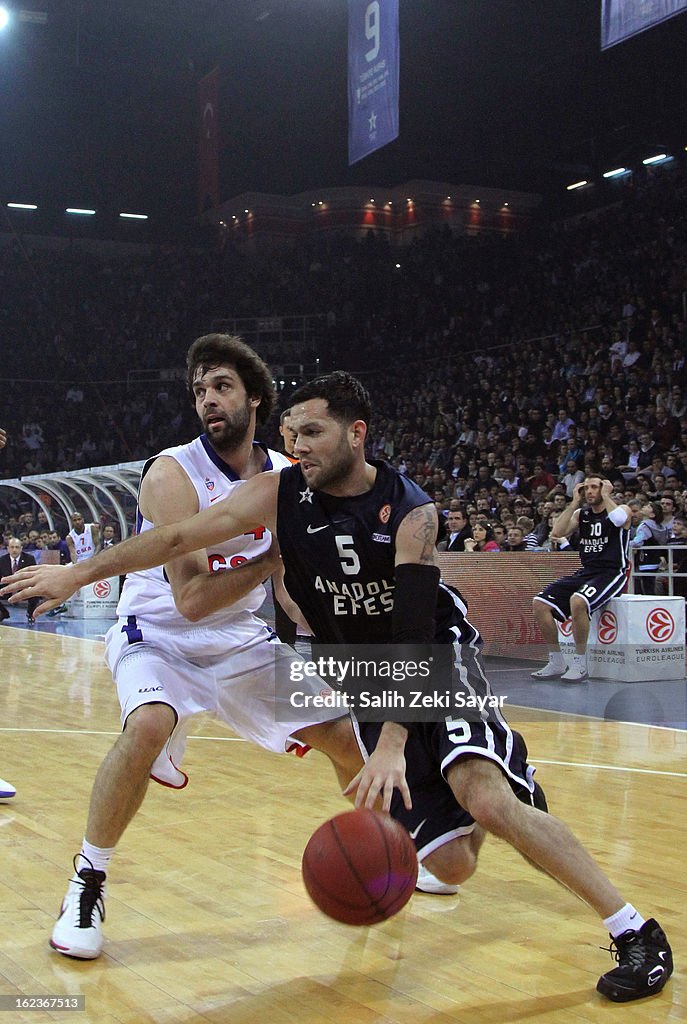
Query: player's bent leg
(337, 740)
(118, 791)
(545, 620)
(579, 613)
(456, 861)
(122, 779)
(480, 787)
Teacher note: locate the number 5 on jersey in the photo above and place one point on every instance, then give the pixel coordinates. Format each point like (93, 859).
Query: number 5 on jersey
(350, 563)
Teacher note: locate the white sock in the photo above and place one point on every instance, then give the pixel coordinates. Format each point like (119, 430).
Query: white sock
(626, 919)
(556, 659)
(98, 856)
(580, 661)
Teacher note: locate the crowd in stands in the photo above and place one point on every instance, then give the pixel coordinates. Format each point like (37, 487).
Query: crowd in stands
(502, 370)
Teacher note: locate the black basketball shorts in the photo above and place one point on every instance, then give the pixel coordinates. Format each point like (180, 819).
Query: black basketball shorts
(597, 589)
(432, 747)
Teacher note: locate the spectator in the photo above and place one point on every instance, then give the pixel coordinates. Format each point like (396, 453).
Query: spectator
(562, 426)
(530, 538)
(572, 478)
(482, 539)
(457, 531)
(516, 539)
(10, 563)
(650, 534)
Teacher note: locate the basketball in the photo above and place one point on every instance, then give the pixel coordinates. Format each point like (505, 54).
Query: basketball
(360, 867)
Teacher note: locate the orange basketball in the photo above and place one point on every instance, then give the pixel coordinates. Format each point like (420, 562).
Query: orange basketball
(360, 867)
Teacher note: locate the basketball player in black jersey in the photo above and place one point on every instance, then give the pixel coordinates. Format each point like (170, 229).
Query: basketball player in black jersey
(604, 529)
(357, 541)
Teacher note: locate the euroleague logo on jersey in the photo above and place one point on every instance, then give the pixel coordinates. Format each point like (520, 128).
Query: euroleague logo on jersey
(607, 630)
(566, 627)
(660, 625)
(385, 514)
(102, 589)
(210, 484)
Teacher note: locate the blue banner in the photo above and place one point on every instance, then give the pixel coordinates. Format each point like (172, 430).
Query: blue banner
(373, 67)
(621, 19)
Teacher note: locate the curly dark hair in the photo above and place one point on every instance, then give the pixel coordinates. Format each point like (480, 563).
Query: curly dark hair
(346, 398)
(213, 350)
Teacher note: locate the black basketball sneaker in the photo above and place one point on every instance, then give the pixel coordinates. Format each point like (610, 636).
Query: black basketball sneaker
(645, 962)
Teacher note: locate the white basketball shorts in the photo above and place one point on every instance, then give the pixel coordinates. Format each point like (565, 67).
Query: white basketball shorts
(228, 672)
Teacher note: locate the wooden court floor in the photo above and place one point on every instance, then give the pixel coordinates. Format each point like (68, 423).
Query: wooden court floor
(208, 919)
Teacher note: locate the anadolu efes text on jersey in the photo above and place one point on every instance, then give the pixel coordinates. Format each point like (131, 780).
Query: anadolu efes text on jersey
(603, 545)
(339, 556)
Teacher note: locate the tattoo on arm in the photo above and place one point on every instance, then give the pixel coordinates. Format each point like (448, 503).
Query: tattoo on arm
(422, 522)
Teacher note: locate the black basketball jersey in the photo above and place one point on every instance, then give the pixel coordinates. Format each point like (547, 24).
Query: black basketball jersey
(339, 554)
(603, 545)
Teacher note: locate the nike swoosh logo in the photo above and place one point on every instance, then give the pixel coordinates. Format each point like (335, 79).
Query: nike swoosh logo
(316, 529)
(663, 954)
(415, 831)
(216, 498)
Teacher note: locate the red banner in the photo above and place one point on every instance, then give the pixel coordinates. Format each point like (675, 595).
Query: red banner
(208, 141)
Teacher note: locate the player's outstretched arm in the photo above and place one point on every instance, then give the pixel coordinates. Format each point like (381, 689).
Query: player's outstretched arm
(251, 505)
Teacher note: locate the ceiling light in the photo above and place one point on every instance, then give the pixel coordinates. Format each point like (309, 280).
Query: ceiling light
(616, 172)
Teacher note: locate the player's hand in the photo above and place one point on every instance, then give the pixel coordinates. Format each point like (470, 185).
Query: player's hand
(384, 772)
(606, 488)
(54, 583)
(578, 493)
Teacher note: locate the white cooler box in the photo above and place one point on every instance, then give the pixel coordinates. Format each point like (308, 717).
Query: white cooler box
(96, 601)
(633, 639)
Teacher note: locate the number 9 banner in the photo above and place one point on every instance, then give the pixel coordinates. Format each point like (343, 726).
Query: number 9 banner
(373, 71)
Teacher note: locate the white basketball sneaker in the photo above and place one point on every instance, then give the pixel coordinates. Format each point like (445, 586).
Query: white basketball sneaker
(427, 882)
(575, 674)
(548, 671)
(6, 791)
(78, 931)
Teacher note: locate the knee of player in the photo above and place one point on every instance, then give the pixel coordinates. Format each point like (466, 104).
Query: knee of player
(578, 605)
(149, 726)
(336, 739)
(453, 863)
(485, 795)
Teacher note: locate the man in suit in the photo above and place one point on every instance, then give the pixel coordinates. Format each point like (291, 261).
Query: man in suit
(16, 559)
(457, 529)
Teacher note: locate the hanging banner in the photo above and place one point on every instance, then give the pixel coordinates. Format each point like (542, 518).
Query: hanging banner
(373, 70)
(208, 142)
(621, 19)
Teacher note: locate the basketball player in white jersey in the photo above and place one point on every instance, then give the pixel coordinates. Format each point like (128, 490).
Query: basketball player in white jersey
(82, 539)
(188, 640)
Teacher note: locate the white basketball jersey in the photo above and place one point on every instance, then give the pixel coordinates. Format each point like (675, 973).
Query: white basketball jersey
(147, 594)
(83, 543)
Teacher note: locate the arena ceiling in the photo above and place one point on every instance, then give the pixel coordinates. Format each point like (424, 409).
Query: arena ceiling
(98, 103)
